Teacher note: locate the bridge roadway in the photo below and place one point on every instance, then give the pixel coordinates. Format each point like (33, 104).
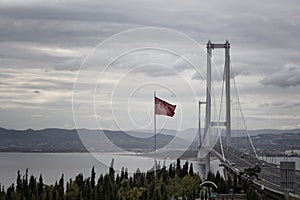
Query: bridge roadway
(269, 175)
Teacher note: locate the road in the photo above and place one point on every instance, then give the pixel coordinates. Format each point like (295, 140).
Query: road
(269, 175)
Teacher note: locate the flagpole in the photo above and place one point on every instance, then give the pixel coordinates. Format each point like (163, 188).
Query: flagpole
(154, 127)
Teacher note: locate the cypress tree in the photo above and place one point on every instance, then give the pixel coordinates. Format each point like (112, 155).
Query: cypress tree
(32, 185)
(19, 182)
(100, 188)
(54, 192)
(191, 171)
(25, 185)
(184, 170)
(171, 171)
(163, 191)
(118, 180)
(79, 181)
(40, 186)
(93, 175)
(60, 188)
(47, 193)
(112, 173)
(122, 174)
(126, 173)
(178, 166)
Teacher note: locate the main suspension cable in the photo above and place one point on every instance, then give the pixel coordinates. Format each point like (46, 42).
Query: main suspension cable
(242, 114)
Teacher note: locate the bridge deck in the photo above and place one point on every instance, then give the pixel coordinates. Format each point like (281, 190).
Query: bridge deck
(269, 175)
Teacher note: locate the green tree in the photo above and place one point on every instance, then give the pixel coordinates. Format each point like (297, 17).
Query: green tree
(184, 170)
(211, 177)
(178, 167)
(19, 182)
(163, 191)
(191, 170)
(126, 173)
(73, 191)
(108, 188)
(40, 187)
(135, 193)
(54, 193)
(124, 189)
(32, 185)
(60, 188)
(122, 174)
(100, 188)
(93, 176)
(171, 171)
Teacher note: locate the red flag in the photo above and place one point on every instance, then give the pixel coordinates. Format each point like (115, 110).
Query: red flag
(164, 108)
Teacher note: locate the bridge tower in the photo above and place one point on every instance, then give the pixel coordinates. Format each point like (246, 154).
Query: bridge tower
(208, 123)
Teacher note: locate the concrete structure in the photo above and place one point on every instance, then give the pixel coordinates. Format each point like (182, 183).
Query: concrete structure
(208, 123)
(287, 175)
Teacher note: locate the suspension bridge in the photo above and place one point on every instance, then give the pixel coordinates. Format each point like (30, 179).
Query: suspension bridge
(224, 118)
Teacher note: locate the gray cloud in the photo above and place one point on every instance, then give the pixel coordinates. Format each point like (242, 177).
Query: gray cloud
(288, 105)
(288, 76)
(54, 37)
(154, 63)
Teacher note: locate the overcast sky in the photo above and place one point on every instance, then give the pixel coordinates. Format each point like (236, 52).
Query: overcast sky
(44, 43)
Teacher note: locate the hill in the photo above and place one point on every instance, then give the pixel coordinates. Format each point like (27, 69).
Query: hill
(62, 140)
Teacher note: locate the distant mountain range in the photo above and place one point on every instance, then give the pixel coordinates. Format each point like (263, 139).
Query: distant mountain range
(63, 140)
(272, 131)
(46, 140)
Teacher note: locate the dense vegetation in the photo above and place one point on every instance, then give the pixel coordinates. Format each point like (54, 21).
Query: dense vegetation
(175, 181)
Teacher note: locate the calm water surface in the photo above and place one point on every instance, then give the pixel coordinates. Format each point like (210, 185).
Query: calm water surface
(53, 165)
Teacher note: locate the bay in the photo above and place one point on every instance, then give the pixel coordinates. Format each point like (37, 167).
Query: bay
(53, 165)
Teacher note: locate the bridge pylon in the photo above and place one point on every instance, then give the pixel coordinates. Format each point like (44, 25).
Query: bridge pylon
(208, 123)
